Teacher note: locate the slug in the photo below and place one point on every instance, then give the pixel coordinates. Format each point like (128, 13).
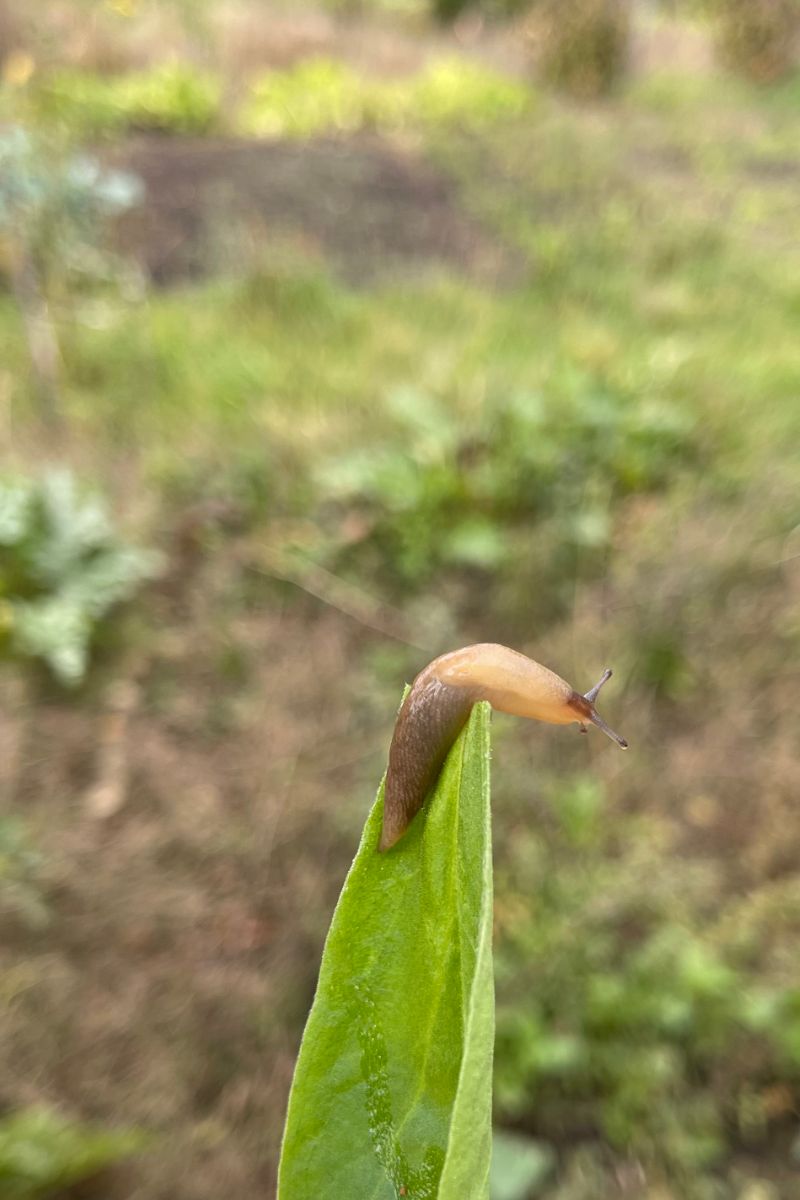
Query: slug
(439, 703)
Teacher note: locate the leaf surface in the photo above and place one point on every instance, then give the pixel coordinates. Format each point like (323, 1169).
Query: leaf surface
(391, 1096)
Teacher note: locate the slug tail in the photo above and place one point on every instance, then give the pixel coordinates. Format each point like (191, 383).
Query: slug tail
(429, 722)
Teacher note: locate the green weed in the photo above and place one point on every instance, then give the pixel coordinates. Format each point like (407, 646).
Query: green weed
(616, 997)
(63, 568)
(321, 96)
(20, 864)
(40, 1151)
(481, 492)
(170, 98)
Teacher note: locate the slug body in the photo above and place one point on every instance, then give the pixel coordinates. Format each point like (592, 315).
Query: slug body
(439, 703)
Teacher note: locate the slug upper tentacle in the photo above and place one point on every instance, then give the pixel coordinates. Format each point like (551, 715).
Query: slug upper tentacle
(439, 703)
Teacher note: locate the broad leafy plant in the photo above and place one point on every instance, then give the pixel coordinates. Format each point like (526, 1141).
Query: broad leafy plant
(63, 568)
(47, 197)
(41, 1151)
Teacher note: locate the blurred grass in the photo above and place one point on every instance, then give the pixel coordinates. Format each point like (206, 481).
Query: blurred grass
(660, 253)
(321, 96)
(41, 1152)
(167, 98)
(317, 96)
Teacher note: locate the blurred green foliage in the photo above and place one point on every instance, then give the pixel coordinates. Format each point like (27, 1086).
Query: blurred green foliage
(520, 1166)
(524, 489)
(20, 863)
(40, 1151)
(167, 98)
(317, 96)
(53, 203)
(582, 47)
(63, 569)
(321, 95)
(619, 991)
(55, 208)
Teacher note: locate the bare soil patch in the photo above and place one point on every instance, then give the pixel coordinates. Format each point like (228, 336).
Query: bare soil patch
(169, 983)
(369, 206)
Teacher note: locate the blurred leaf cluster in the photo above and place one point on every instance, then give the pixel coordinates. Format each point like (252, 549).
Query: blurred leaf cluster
(322, 95)
(63, 568)
(167, 98)
(19, 867)
(623, 1004)
(523, 489)
(51, 203)
(520, 1165)
(318, 95)
(40, 1150)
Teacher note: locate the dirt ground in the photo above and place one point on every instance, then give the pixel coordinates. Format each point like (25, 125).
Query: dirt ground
(198, 903)
(369, 207)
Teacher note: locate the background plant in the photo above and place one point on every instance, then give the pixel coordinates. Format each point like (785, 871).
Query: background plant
(20, 863)
(63, 569)
(528, 480)
(321, 95)
(52, 211)
(41, 1151)
(169, 98)
(630, 993)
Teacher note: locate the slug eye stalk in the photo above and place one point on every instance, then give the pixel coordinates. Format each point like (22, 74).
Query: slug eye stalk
(595, 717)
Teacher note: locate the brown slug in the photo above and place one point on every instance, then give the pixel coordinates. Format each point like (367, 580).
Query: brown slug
(439, 703)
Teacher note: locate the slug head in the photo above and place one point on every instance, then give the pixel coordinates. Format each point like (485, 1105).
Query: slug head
(584, 707)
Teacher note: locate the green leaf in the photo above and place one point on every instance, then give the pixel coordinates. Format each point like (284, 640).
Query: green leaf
(63, 568)
(57, 630)
(392, 1091)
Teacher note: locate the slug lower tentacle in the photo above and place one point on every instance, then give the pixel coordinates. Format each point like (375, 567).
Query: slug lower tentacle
(439, 703)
